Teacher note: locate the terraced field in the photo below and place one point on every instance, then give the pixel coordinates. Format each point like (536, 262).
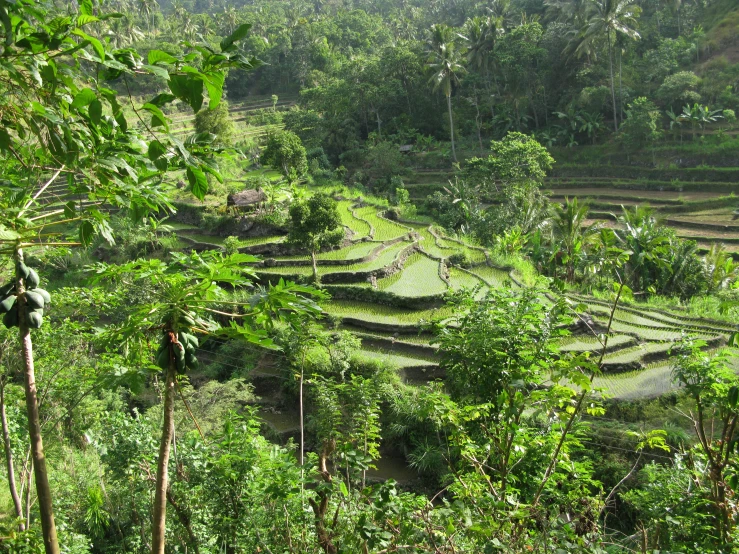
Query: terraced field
(389, 279)
(698, 202)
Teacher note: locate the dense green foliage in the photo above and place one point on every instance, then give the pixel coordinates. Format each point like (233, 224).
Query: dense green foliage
(400, 341)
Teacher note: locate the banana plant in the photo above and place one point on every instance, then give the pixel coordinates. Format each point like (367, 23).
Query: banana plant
(191, 303)
(698, 116)
(591, 124)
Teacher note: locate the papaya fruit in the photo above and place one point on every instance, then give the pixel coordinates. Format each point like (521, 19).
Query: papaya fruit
(45, 295)
(6, 304)
(34, 300)
(191, 361)
(163, 358)
(188, 340)
(188, 320)
(10, 319)
(22, 270)
(32, 281)
(34, 319)
(6, 289)
(164, 342)
(179, 356)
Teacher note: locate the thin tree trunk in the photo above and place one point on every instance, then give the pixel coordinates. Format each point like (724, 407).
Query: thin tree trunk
(613, 90)
(620, 84)
(162, 484)
(43, 490)
(302, 424)
(451, 124)
(478, 122)
(9, 460)
(315, 266)
(29, 479)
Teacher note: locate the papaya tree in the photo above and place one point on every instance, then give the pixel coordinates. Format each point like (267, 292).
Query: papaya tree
(69, 155)
(191, 303)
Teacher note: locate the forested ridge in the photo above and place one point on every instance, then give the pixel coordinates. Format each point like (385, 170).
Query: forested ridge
(369, 277)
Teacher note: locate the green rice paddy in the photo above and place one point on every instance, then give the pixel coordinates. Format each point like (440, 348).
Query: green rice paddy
(636, 361)
(419, 277)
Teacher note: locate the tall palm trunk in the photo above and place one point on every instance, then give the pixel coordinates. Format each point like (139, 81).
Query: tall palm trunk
(162, 484)
(613, 88)
(9, 459)
(451, 124)
(43, 490)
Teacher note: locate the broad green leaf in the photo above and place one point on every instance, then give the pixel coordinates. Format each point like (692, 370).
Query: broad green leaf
(4, 139)
(161, 99)
(157, 70)
(156, 56)
(121, 120)
(195, 89)
(83, 98)
(237, 35)
(178, 85)
(733, 397)
(87, 230)
(214, 83)
(158, 119)
(70, 209)
(96, 44)
(156, 150)
(96, 111)
(198, 182)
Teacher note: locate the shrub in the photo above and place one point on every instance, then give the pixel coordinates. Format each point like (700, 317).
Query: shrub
(729, 117)
(679, 89)
(231, 244)
(461, 259)
(285, 151)
(217, 122)
(640, 127)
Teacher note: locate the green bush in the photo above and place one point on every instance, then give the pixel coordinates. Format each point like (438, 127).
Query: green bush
(217, 122)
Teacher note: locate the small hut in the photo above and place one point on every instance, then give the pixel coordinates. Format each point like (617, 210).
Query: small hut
(246, 200)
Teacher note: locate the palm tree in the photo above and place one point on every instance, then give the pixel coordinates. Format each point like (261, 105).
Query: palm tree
(720, 267)
(146, 7)
(480, 34)
(229, 20)
(608, 18)
(122, 32)
(207, 25)
(444, 60)
(570, 234)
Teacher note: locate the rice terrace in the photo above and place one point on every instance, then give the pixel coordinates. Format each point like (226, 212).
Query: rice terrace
(389, 279)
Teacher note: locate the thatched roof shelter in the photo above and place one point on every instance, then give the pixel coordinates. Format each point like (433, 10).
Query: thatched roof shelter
(246, 198)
